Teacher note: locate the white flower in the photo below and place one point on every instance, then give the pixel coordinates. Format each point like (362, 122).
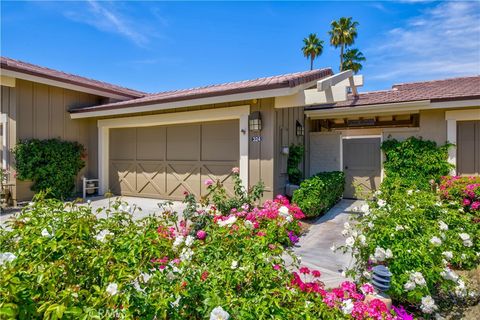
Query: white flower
(377, 193)
(448, 254)
(189, 241)
(186, 254)
(442, 225)
(380, 254)
(178, 241)
(409, 285)
(234, 265)
(231, 220)
(289, 218)
(345, 232)
(347, 226)
(436, 241)
(372, 258)
(399, 227)
(370, 225)
(428, 305)
(463, 256)
(367, 274)
(388, 254)
(362, 239)
(449, 274)
(6, 257)
(175, 303)
(112, 289)
(409, 192)
(283, 211)
(145, 277)
(46, 234)
(461, 289)
(381, 203)
(137, 287)
(365, 208)
(418, 278)
(102, 235)
(468, 243)
(347, 306)
(464, 236)
(248, 224)
(219, 314)
(350, 241)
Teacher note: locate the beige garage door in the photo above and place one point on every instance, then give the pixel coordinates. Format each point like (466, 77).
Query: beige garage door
(165, 161)
(468, 147)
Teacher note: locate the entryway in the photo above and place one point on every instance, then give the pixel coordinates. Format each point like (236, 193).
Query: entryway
(362, 166)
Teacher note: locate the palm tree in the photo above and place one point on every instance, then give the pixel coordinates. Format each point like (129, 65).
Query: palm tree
(343, 34)
(352, 59)
(312, 48)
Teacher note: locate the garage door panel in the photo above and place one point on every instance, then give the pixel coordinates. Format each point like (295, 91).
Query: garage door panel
(183, 177)
(123, 144)
(150, 178)
(123, 177)
(217, 140)
(151, 143)
(219, 172)
(183, 142)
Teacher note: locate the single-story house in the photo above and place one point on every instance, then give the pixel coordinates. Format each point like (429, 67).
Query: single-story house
(161, 145)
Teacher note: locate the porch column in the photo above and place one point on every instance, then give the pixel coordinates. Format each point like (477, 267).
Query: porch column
(243, 124)
(103, 156)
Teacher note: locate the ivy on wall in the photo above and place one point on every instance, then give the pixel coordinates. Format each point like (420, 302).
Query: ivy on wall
(295, 156)
(51, 164)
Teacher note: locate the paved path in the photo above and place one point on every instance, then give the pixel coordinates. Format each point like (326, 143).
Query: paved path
(314, 247)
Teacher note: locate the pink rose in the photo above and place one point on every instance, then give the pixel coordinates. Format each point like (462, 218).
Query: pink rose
(236, 170)
(475, 205)
(276, 267)
(466, 202)
(201, 234)
(208, 182)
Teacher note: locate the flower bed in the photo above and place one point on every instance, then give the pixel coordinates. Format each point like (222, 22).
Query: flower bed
(319, 193)
(62, 261)
(464, 190)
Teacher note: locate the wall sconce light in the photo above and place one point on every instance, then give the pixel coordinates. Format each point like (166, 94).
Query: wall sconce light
(300, 130)
(255, 121)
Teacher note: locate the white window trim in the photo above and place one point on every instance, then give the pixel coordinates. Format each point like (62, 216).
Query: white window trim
(452, 117)
(3, 122)
(241, 113)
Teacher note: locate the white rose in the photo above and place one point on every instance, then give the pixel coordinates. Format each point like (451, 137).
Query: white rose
(409, 192)
(409, 285)
(102, 235)
(381, 203)
(442, 225)
(178, 241)
(248, 224)
(350, 241)
(219, 314)
(112, 289)
(380, 254)
(365, 208)
(46, 234)
(189, 241)
(362, 239)
(448, 254)
(428, 305)
(347, 306)
(468, 243)
(6, 257)
(283, 211)
(418, 278)
(399, 227)
(436, 241)
(186, 254)
(449, 274)
(234, 265)
(464, 236)
(231, 220)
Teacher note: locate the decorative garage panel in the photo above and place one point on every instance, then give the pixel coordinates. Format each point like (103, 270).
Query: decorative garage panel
(166, 161)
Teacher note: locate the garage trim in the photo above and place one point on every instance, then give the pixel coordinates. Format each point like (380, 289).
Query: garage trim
(231, 113)
(452, 117)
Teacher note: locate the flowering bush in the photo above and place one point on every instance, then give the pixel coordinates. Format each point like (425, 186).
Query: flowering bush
(60, 260)
(464, 190)
(422, 241)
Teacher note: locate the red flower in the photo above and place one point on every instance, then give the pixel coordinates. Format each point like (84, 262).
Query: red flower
(316, 273)
(304, 270)
(204, 275)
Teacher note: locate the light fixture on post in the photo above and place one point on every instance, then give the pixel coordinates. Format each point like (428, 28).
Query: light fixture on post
(300, 130)
(255, 121)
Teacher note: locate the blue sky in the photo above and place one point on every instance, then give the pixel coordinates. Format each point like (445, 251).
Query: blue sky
(156, 46)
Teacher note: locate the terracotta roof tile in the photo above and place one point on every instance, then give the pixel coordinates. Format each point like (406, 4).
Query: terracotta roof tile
(435, 91)
(35, 70)
(282, 81)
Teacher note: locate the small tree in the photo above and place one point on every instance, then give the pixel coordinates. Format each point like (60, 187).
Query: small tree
(312, 48)
(352, 59)
(343, 34)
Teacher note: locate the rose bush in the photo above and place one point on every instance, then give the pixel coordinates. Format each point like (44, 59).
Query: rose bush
(60, 260)
(422, 241)
(464, 190)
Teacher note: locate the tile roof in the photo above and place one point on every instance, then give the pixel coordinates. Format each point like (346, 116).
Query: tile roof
(435, 91)
(35, 70)
(281, 81)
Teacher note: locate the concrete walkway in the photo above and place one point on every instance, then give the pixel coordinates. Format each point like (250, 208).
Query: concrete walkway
(314, 247)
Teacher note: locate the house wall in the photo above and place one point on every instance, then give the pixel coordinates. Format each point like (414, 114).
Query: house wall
(285, 135)
(41, 111)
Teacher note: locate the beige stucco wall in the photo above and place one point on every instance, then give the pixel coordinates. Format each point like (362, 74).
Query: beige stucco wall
(41, 111)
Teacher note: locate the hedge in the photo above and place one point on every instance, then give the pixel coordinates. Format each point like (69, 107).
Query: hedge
(319, 193)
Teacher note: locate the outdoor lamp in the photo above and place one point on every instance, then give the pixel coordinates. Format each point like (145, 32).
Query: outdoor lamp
(255, 121)
(299, 129)
(381, 279)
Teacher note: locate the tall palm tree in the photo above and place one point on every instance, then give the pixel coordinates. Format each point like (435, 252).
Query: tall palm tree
(312, 48)
(343, 34)
(352, 59)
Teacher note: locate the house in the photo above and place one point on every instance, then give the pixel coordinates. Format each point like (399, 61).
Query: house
(161, 145)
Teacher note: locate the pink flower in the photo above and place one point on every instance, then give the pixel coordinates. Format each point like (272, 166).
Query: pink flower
(475, 205)
(208, 182)
(201, 235)
(276, 267)
(466, 202)
(236, 170)
(204, 275)
(316, 273)
(304, 270)
(261, 234)
(367, 288)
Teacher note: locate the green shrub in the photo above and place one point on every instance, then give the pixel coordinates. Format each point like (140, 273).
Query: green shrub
(51, 164)
(319, 193)
(412, 163)
(295, 156)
